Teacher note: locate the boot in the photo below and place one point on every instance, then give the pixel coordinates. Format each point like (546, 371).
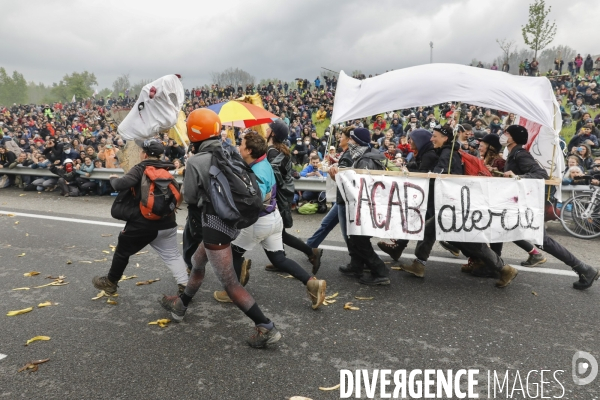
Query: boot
(391, 249)
(507, 274)
(587, 276)
(416, 268)
(534, 260)
(315, 260)
(480, 270)
(452, 249)
(372, 280)
(468, 267)
(350, 270)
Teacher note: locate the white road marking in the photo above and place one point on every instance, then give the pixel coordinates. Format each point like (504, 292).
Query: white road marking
(542, 270)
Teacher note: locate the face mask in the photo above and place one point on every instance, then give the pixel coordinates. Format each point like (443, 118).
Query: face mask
(69, 167)
(67, 151)
(306, 143)
(503, 140)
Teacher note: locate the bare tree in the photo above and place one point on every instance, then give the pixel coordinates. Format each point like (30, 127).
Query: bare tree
(234, 77)
(121, 84)
(538, 33)
(505, 45)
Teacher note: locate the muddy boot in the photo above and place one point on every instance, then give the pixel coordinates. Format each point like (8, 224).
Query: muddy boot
(391, 249)
(417, 268)
(507, 274)
(587, 276)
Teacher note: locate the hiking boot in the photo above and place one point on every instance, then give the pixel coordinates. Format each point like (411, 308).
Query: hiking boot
(507, 274)
(180, 289)
(315, 260)
(349, 270)
(416, 268)
(245, 273)
(103, 283)
(468, 267)
(272, 268)
(174, 305)
(447, 246)
(221, 296)
(587, 276)
(534, 260)
(480, 270)
(391, 249)
(263, 336)
(316, 291)
(372, 280)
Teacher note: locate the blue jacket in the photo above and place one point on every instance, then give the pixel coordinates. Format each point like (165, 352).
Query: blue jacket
(309, 168)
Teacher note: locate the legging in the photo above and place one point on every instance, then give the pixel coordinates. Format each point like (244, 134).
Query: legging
(295, 243)
(524, 244)
(279, 261)
(221, 259)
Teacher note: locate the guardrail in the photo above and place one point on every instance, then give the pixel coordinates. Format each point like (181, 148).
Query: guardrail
(312, 184)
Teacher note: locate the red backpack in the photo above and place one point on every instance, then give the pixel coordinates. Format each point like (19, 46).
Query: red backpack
(473, 165)
(160, 194)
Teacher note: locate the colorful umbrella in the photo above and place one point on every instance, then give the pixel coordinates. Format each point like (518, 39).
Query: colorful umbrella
(242, 115)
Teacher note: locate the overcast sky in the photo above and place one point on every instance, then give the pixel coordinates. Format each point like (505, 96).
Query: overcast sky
(268, 38)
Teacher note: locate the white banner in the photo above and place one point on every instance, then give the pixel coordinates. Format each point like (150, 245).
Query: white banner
(489, 210)
(384, 206)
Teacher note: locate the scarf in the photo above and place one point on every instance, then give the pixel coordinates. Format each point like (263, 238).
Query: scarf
(356, 151)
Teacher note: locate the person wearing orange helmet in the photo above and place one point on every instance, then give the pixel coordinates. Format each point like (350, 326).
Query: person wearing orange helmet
(213, 234)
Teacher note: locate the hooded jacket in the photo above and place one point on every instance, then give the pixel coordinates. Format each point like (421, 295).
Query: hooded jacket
(426, 158)
(444, 153)
(521, 163)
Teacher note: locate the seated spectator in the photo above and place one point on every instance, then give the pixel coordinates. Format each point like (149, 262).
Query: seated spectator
(584, 136)
(574, 177)
(108, 154)
(332, 157)
(405, 149)
(584, 153)
(397, 128)
(479, 131)
(389, 136)
(321, 114)
(380, 124)
(390, 153)
(84, 183)
(584, 120)
(495, 125)
(179, 168)
(578, 109)
(377, 134)
(311, 170)
(299, 152)
(175, 151)
(412, 124)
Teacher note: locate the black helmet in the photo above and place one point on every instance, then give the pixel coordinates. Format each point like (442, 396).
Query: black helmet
(280, 130)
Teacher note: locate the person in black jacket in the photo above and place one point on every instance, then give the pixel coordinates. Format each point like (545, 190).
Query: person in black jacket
(359, 247)
(139, 231)
(522, 164)
(174, 150)
(67, 176)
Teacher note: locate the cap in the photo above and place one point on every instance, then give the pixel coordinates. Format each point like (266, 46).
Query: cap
(153, 147)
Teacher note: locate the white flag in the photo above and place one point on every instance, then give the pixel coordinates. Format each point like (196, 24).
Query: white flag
(73, 99)
(95, 93)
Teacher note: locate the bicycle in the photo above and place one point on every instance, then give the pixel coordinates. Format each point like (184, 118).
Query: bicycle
(580, 214)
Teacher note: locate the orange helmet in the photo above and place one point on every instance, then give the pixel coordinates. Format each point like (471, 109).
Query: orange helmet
(203, 124)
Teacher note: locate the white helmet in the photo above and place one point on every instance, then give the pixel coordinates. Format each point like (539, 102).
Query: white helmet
(67, 161)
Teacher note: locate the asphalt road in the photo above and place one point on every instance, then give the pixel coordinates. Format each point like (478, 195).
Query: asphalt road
(97, 350)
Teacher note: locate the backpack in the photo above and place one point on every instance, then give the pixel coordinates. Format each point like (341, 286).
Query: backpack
(159, 193)
(308, 208)
(373, 161)
(473, 165)
(285, 187)
(233, 192)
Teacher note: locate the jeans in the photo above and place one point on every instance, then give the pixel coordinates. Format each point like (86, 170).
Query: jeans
(342, 221)
(327, 225)
(557, 250)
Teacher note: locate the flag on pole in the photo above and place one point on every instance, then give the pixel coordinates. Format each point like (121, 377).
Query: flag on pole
(95, 93)
(73, 99)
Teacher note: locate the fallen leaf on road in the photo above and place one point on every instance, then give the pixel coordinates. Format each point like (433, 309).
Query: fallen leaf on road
(19, 312)
(58, 282)
(299, 398)
(69, 262)
(33, 366)
(285, 276)
(141, 252)
(396, 268)
(46, 304)
(16, 222)
(109, 301)
(21, 288)
(106, 251)
(330, 388)
(22, 194)
(10, 215)
(32, 273)
(106, 234)
(125, 277)
(21, 255)
(348, 306)
(56, 277)
(333, 296)
(104, 294)
(2, 356)
(149, 281)
(160, 322)
(85, 262)
(137, 265)
(363, 298)
(27, 234)
(104, 259)
(35, 339)
(328, 302)
(534, 293)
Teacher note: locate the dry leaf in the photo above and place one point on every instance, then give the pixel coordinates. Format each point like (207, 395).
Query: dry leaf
(285, 276)
(137, 265)
(21, 288)
(22, 194)
(21, 255)
(363, 298)
(32, 273)
(330, 388)
(149, 281)
(86, 262)
(56, 277)
(160, 322)
(104, 259)
(333, 296)
(125, 277)
(141, 252)
(299, 398)
(10, 215)
(328, 302)
(16, 222)
(19, 312)
(396, 268)
(69, 262)
(106, 234)
(70, 247)
(35, 339)
(106, 251)
(46, 304)
(104, 294)
(27, 234)
(109, 301)
(348, 306)
(58, 282)
(534, 293)
(33, 366)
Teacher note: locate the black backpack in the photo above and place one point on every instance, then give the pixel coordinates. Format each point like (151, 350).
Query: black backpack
(373, 161)
(234, 193)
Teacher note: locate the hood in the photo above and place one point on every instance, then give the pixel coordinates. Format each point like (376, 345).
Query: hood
(158, 164)
(421, 137)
